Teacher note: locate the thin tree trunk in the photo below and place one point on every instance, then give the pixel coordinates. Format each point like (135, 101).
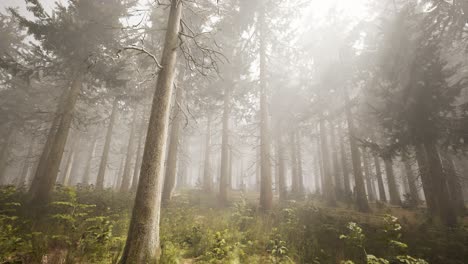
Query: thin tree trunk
(100, 179)
(423, 167)
(360, 191)
(172, 156)
(118, 178)
(207, 180)
(281, 168)
(68, 167)
(224, 173)
(327, 183)
(391, 182)
(231, 157)
(294, 168)
(266, 193)
(27, 165)
(139, 154)
(344, 164)
(443, 207)
(380, 182)
(142, 243)
(368, 176)
(413, 190)
(4, 154)
(45, 183)
(127, 176)
(300, 175)
(336, 165)
(454, 185)
(92, 150)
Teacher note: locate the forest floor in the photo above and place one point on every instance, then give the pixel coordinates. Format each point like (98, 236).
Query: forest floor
(87, 226)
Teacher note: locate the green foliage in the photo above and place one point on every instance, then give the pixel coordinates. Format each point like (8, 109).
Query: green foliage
(392, 229)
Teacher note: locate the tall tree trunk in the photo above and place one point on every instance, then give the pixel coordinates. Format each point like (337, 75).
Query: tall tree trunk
(172, 156)
(127, 176)
(360, 191)
(68, 167)
(281, 185)
(327, 183)
(319, 170)
(368, 176)
(423, 167)
(118, 178)
(336, 165)
(41, 164)
(391, 182)
(300, 175)
(207, 180)
(92, 149)
(142, 243)
(380, 182)
(344, 164)
(454, 185)
(139, 154)
(4, 154)
(231, 158)
(266, 193)
(45, 183)
(413, 189)
(100, 179)
(294, 168)
(27, 164)
(443, 208)
(223, 181)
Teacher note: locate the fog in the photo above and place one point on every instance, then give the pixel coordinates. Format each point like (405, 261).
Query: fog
(233, 131)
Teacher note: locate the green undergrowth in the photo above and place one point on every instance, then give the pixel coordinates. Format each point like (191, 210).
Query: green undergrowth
(87, 226)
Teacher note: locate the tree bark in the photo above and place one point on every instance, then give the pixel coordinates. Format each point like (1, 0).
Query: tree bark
(391, 182)
(4, 154)
(444, 210)
(100, 179)
(142, 243)
(423, 167)
(207, 180)
(344, 165)
(360, 191)
(27, 164)
(127, 176)
(294, 166)
(266, 193)
(368, 176)
(336, 165)
(454, 185)
(139, 154)
(224, 173)
(300, 175)
(380, 182)
(45, 183)
(327, 183)
(92, 150)
(172, 156)
(413, 189)
(281, 185)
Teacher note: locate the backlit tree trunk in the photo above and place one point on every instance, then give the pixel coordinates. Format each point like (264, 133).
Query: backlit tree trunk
(380, 182)
(423, 167)
(413, 190)
(207, 180)
(367, 173)
(105, 152)
(336, 165)
(45, 183)
(281, 184)
(127, 176)
(266, 193)
(224, 173)
(391, 182)
(300, 175)
(294, 168)
(327, 183)
(454, 185)
(359, 190)
(444, 209)
(89, 158)
(172, 155)
(142, 242)
(344, 164)
(139, 154)
(4, 155)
